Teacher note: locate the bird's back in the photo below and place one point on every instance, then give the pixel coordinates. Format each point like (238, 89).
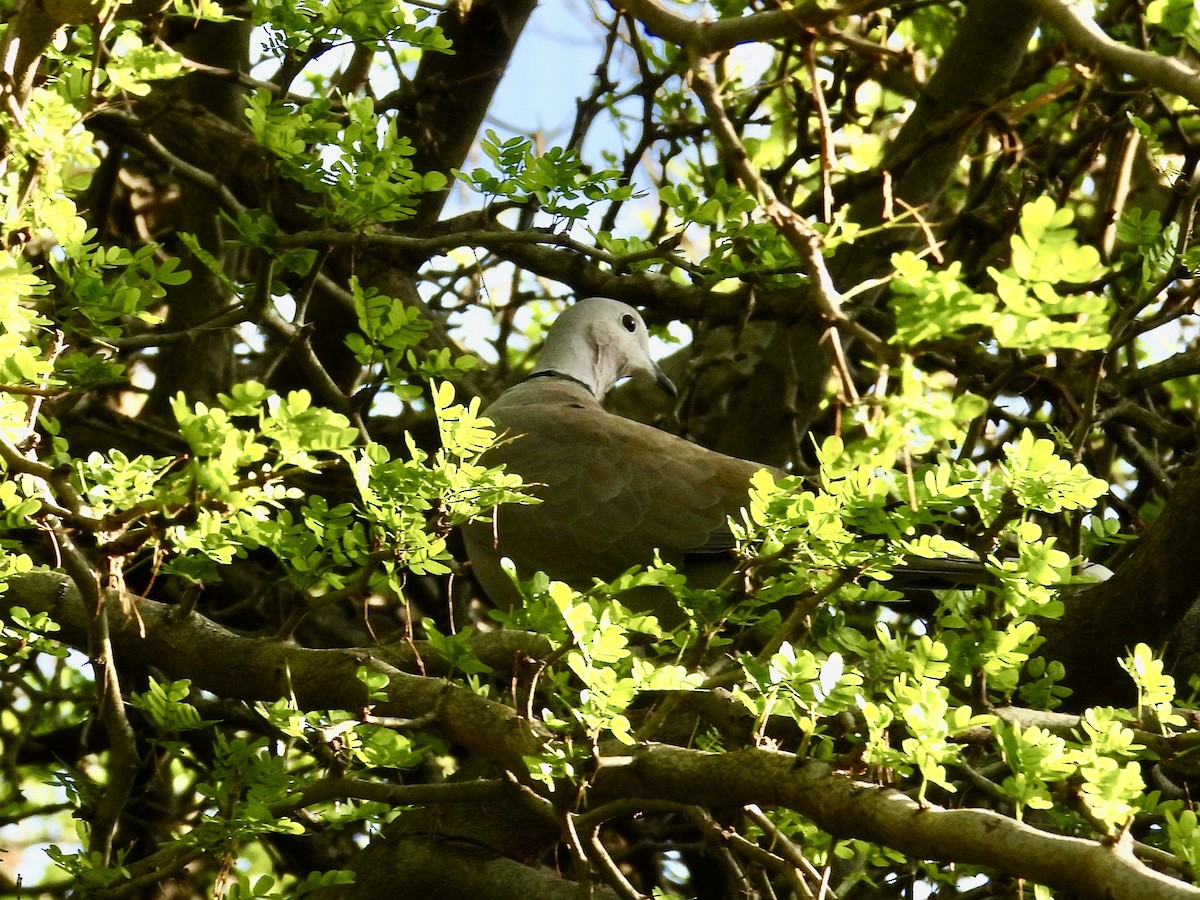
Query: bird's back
(612, 490)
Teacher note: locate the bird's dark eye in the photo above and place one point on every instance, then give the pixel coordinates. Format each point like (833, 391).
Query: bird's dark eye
(629, 322)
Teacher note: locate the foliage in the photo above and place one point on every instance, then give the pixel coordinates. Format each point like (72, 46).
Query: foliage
(551, 180)
(242, 415)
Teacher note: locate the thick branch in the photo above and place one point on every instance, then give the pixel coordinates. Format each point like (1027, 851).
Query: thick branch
(185, 645)
(421, 867)
(1180, 365)
(29, 32)
(706, 36)
(1143, 602)
(217, 660)
(657, 292)
(453, 91)
(1167, 72)
(847, 807)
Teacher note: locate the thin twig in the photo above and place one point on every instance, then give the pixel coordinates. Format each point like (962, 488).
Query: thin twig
(803, 238)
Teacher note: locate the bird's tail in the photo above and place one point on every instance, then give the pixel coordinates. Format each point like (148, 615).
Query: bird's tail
(923, 574)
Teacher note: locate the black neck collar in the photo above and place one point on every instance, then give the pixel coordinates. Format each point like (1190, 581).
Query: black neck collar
(551, 373)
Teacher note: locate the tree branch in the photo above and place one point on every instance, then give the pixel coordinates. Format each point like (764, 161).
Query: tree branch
(183, 645)
(454, 91)
(1167, 72)
(418, 866)
(1179, 365)
(849, 807)
(706, 37)
(1144, 601)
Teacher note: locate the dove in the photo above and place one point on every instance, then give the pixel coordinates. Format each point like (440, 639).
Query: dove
(613, 492)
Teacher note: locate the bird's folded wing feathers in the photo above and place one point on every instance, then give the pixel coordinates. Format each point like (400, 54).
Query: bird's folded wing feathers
(612, 490)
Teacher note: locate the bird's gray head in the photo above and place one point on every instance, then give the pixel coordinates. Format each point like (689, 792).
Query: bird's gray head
(598, 342)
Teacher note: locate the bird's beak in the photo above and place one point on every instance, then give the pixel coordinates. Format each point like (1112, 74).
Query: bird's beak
(667, 385)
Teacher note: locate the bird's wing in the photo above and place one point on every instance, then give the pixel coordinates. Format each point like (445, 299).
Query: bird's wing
(612, 490)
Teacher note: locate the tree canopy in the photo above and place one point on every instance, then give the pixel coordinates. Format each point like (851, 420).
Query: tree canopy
(265, 263)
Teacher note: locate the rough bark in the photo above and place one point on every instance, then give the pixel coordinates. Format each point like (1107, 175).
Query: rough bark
(1145, 601)
(837, 801)
(203, 367)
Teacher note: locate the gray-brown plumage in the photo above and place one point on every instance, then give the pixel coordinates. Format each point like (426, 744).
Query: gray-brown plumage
(613, 490)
